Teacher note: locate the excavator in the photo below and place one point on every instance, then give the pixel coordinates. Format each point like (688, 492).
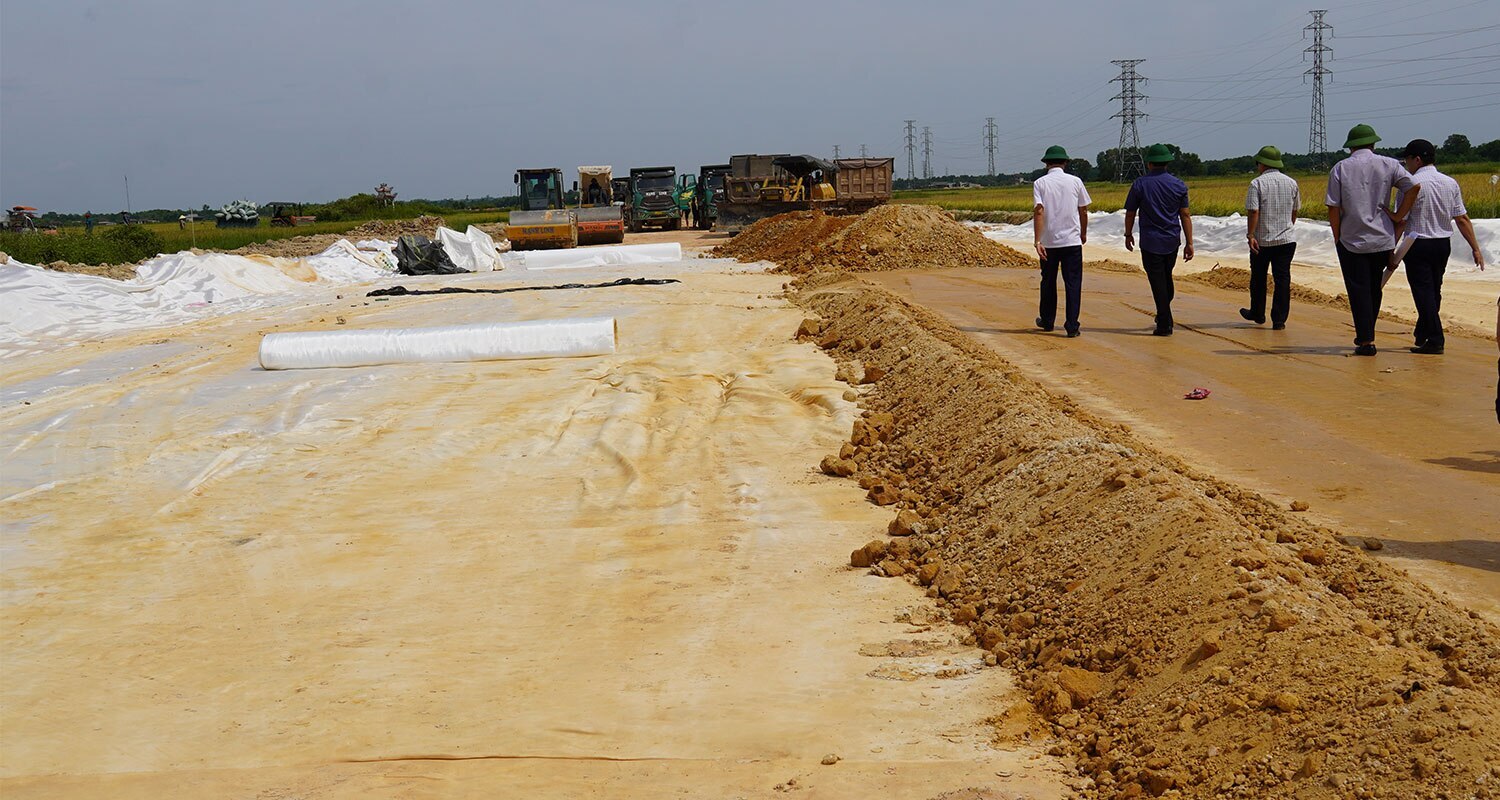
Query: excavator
(600, 221)
(544, 222)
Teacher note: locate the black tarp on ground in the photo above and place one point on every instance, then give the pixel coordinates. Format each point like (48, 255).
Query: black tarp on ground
(416, 255)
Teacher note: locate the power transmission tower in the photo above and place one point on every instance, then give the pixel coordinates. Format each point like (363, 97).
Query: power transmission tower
(1317, 135)
(911, 149)
(835, 152)
(1128, 157)
(862, 152)
(989, 141)
(926, 152)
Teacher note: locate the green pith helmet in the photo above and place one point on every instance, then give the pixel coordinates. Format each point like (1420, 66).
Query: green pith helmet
(1158, 154)
(1361, 135)
(1056, 153)
(1270, 156)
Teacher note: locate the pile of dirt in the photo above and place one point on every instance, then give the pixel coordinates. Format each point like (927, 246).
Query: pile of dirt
(291, 247)
(892, 236)
(1238, 279)
(119, 272)
(1181, 635)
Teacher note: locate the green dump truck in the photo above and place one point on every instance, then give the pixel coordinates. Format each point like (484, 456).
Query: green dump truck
(654, 199)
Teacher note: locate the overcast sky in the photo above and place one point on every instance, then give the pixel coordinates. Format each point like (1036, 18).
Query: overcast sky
(209, 101)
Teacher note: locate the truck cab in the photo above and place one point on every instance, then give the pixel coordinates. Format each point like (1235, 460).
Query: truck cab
(654, 198)
(709, 194)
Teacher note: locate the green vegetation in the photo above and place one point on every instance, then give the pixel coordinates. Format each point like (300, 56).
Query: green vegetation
(124, 244)
(1212, 196)
(116, 245)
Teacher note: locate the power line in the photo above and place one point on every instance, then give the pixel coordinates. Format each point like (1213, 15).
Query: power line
(1317, 135)
(1129, 163)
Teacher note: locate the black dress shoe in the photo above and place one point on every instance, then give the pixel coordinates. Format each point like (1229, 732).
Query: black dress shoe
(1279, 326)
(1044, 326)
(1428, 349)
(1162, 332)
(1365, 350)
(1073, 334)
(1245, 312)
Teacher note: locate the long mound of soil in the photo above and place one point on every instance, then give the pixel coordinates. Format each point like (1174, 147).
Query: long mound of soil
(1181, 635)
(892, 236)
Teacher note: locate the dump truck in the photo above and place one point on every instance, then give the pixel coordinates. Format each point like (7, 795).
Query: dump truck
(764, 186)
(860, 184)
(600, 220)
(653, 198)
(543, 221)
(709, 194)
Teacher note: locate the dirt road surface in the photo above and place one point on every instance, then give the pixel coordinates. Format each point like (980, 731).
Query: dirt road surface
(1402, 448)
(614, 577)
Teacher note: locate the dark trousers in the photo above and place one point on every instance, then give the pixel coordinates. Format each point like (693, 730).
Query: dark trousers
(1070, 261)
(1278, 260)
(1426, 262)
(1362, 272)
(1159, 272)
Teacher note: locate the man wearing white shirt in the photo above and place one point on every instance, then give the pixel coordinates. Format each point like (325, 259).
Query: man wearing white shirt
(1060, 226)
(1438, 207)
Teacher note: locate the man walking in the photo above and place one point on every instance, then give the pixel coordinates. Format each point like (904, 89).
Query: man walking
(1364, 227)
(1438, 207)
(1162, 201)
(1271, 203)
(1060, 226)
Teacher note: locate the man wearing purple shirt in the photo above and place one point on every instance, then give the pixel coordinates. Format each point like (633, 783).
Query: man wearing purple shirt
(1363, 225)
(1162, 201)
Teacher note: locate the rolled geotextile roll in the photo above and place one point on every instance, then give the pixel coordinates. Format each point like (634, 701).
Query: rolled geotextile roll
(489, 341)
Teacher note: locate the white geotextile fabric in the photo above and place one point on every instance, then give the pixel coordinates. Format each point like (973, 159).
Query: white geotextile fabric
(1225, 237)
(490, 341)
(612, 255)
(472, 250)
(41, 303)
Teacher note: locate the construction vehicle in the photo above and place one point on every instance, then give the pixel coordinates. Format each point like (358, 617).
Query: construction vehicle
(653, 198)
(543, 221)
(709, 194)
(20, 219)
(863, 183)
(289, 215)
(764, 186)
(600, 221)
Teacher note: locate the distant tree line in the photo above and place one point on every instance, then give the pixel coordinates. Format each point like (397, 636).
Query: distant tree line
(354, 207)
(1456, 149)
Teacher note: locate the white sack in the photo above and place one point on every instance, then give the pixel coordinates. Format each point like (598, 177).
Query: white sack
(486, 255)
(612, 255)
(472, 250)
(488, 341)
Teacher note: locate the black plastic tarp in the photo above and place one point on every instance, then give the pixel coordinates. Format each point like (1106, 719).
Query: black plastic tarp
(802, 166)
(415, 255)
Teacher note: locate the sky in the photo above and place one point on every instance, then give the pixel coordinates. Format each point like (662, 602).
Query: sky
(205, 102)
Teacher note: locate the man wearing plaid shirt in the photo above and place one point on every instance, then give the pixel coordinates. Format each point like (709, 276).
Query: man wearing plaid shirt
(1272, 203)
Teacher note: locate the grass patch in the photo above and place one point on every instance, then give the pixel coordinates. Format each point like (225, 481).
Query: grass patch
(1218, 196)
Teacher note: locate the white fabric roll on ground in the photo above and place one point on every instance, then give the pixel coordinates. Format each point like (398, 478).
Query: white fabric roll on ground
(610, 255)
(488, 341)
